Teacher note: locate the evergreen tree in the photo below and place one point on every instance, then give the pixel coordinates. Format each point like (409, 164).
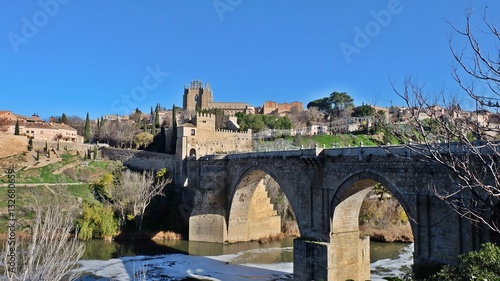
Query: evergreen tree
(157, 116)
(152, 116)
(173, 143)
(64, 119)
(86, 132)
(16, 129)
(153, 130)
(30, 144)
(95, 152)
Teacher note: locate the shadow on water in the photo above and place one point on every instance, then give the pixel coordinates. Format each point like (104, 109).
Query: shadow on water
(184, 260)
(102, 250)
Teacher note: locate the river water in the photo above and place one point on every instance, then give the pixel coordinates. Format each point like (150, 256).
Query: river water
(184, 260)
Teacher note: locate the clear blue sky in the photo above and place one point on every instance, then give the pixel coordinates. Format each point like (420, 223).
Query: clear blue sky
(108, 57)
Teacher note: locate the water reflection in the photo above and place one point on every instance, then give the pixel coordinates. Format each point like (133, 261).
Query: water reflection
(102, 250)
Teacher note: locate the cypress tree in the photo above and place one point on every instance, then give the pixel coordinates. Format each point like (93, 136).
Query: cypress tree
(64, 119)
(157, 116)
(16, 129)
(152, 116)
(86, 133)
(30, 144)
(95, 152)
(173, 142)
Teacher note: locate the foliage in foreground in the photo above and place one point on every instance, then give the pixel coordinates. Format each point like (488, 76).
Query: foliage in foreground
(50, 253)
(483, 265)
(477, 265)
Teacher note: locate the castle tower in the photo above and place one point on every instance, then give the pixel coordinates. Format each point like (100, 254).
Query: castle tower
(196, 96)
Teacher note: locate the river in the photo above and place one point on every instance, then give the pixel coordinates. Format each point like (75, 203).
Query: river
(182, 260)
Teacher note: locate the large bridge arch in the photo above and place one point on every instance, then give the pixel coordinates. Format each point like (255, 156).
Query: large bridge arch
(361, 180)
(251, 215)
(351, 253)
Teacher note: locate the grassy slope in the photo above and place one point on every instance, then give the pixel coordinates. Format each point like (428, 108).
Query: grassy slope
(65, 197)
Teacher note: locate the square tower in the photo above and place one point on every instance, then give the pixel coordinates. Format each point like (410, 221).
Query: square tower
(196, 97)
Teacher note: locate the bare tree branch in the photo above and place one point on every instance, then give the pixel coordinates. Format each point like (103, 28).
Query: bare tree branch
(51, 252)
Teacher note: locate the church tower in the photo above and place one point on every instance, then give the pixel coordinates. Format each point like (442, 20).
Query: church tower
(196, 96)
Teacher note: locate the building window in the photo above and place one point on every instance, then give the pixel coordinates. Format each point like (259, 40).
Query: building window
(193, 132)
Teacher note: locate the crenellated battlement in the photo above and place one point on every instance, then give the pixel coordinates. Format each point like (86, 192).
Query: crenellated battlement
(244, 133)
(204, 115)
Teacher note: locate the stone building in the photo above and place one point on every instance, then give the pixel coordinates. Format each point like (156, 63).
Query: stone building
(281, 109)
(200, 137)
(35, 128)
(199, 97)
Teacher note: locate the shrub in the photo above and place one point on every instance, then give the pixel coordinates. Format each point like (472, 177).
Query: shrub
(71, 173)
(85, 175)
(478, 265)
(96, 222)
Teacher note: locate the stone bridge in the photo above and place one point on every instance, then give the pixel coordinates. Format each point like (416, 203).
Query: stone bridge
(325, 188)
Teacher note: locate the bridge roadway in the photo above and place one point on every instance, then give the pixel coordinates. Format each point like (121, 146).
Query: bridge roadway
(325, 188)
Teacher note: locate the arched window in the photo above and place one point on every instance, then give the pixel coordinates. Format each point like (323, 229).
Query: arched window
(192, 152)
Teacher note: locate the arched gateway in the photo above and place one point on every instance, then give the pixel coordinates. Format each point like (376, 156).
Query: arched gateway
(325, 188)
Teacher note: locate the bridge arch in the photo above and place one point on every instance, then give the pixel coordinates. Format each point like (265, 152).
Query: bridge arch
(345, 238)
(251, 214)
(360, 181)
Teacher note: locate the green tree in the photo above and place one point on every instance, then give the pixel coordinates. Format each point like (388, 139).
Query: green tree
(143, 139)
(102, 188)
(64, 119)
(283, 123)
(341, 101)
(96, 221)
(153, 130)
(86, 132)
(323, 104)
(173, 143)
(363, 111)
(136, 116)
(477, 265)
(16, 129)
(95, 152)
(157, 116)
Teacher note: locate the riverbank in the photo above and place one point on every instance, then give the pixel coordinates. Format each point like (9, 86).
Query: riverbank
(384, 219)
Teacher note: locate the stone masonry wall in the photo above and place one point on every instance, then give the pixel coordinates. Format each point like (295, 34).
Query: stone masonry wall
(316, 184)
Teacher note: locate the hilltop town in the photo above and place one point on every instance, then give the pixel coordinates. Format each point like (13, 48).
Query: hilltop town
(205, 126)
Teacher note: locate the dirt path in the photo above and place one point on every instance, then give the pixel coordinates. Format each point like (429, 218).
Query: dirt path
(41, 184)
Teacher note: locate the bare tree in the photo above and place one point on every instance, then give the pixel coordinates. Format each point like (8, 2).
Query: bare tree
(133, 194)
(466, 143)
(50, 253)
